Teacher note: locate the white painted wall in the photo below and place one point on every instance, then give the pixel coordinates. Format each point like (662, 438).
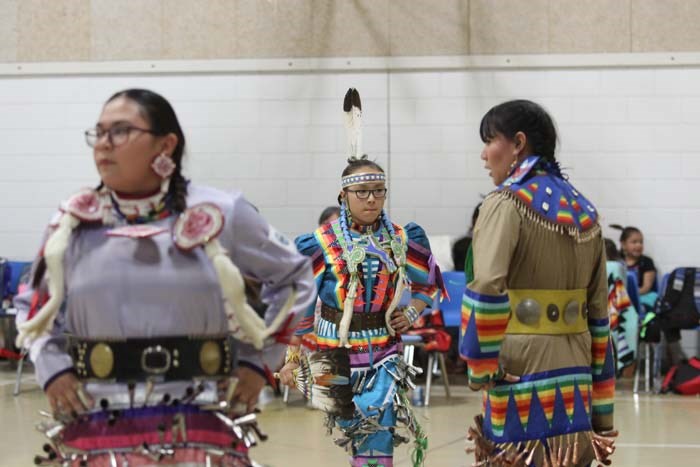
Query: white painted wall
(628, 139)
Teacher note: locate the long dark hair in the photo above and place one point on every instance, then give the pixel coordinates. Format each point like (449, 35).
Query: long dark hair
(162, 118)
(522, 115)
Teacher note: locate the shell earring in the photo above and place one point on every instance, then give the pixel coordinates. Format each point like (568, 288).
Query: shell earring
(163, 166)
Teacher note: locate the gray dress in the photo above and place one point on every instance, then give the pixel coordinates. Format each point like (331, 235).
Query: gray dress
(125, 287)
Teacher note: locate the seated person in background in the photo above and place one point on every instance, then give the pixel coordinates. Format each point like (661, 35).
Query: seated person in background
(632, 249)
(612, 253)
(461, 246)
(328, 215)
(623, 316)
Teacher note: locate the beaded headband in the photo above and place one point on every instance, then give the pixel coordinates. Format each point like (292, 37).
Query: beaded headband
(360, 178)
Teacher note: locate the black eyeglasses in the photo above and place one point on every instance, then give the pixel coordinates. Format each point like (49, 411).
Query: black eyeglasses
(116, 135)
(378, 193)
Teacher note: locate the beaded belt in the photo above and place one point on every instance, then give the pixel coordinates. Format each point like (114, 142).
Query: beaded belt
(360, 321)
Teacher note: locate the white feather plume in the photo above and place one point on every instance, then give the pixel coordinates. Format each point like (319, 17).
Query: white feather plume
(352, 107)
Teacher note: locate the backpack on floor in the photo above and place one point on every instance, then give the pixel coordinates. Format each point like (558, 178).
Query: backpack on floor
(678, 307)
(683, 379)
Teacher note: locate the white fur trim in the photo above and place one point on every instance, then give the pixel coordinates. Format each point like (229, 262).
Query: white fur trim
(348, 309)
(398, 292)
(54, 251)
(246, 324)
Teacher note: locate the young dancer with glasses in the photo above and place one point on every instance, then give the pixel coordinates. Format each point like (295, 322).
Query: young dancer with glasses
(374, 278)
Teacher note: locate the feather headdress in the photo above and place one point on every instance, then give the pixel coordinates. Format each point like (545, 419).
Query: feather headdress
(352, 106)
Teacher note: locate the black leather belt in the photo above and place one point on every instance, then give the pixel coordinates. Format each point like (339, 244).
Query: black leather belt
(160, 358)
(360, 321)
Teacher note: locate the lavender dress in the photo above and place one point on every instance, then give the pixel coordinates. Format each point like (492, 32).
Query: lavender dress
(117, 287)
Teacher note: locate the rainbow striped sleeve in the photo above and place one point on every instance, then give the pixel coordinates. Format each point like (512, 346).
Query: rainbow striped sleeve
(603, 371)
(484, 322)
(308, 246)
(420, 265)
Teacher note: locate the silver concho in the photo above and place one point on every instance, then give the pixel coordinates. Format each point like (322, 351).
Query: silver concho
(528, 311)
(571, 312)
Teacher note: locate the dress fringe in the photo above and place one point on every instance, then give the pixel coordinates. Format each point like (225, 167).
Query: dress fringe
(567, 450)
(538, 219)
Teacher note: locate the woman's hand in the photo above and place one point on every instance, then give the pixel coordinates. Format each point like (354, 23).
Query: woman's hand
(400, 322)
(286, 374)
(499, 377)
(64, 398)
(250, 383)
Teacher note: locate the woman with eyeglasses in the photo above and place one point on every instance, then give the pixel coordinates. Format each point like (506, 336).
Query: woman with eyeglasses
(137, 322)
(374, 279)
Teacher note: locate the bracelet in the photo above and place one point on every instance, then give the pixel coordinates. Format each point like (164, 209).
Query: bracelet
(293, 355)
(411, 313)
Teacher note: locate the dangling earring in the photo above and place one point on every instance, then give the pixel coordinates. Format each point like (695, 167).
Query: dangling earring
(164, 167)
(513, 164)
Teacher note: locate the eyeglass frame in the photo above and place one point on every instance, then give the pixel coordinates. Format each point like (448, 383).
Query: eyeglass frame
(110, 136)
(372, 192)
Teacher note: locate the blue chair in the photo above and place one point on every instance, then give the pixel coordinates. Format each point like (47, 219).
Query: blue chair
(455, 283)
(15, 269)
(10, 277)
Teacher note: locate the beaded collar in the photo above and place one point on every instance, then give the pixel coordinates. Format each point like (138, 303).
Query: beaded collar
(539, 186)
(140, 210)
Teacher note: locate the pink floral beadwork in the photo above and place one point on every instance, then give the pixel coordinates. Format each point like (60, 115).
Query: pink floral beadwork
(163, 166)
(136, 231)
(85, 205)
(197, 226)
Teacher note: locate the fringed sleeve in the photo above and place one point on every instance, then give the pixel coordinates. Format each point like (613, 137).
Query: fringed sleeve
(485, 305)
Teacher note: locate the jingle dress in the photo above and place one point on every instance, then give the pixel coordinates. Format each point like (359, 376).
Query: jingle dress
(130, 282)
(378, 373)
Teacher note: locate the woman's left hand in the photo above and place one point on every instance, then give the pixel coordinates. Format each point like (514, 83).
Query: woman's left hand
(250, 383)
(400, 322)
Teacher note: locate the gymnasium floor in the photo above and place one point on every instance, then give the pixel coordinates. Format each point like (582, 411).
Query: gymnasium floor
(655, 430)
